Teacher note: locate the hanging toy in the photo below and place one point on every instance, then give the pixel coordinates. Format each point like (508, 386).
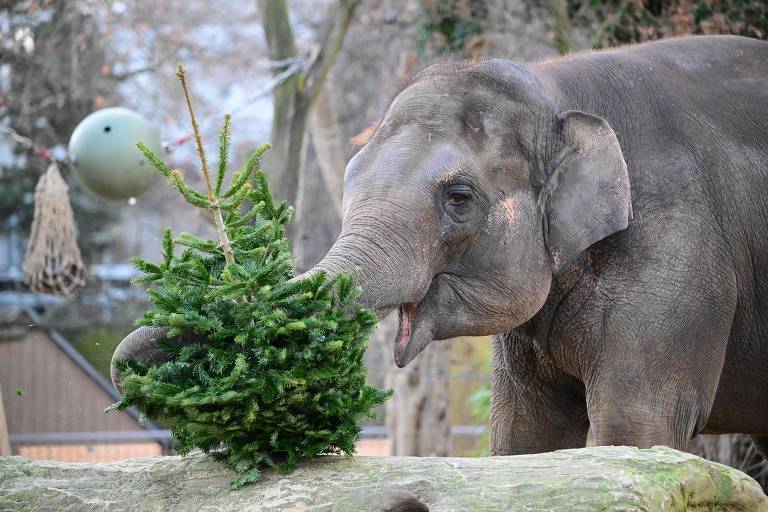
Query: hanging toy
(104, 156)
(53, 263)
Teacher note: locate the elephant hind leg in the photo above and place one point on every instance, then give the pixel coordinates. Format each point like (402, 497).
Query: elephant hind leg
(761, 442)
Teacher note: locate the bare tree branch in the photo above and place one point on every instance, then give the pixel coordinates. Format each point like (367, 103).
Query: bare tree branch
(333, 38)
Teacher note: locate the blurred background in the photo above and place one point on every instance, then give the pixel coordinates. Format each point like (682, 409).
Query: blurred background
(308, 75)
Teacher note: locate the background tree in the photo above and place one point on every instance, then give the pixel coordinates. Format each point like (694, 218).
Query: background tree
(617, 22)
(57, 71)
(295, 96)
(5, 446)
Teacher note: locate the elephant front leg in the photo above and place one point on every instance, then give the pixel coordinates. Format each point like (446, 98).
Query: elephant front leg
(531, 413)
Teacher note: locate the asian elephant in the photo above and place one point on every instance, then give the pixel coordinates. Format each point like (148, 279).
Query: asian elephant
(605, 215)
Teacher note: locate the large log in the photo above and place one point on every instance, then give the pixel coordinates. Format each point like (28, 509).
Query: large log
(590, 479)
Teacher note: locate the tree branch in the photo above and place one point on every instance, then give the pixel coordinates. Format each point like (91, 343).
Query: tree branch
(333, 38)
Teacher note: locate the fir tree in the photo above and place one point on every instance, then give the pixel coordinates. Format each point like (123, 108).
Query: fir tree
(281, 375)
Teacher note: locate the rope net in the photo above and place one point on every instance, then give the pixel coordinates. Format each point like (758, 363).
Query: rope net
(53, 263)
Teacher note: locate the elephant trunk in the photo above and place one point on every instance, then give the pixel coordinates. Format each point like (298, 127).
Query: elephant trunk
(140, 346)
(389, 273)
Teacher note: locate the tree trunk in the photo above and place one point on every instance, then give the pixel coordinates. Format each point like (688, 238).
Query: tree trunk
(318, 219)
(294, 97)
(605, 478)
(5, 445)
(417, 414)
(285, 162)
(328, 146)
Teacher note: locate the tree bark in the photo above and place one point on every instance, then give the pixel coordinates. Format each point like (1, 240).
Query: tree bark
(5, 445)
(605, 478)
(319, 198)
(417, 414)
(317, 221)
(328, 146)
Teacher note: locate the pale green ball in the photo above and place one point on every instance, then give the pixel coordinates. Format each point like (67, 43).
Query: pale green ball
(104, 156)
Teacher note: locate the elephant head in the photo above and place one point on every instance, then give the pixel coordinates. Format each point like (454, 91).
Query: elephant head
(471, 194)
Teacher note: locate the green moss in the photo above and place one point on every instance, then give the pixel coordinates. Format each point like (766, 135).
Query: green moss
(29, 499)
(724, 486)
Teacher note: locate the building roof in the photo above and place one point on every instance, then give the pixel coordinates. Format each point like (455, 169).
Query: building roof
(62, 392)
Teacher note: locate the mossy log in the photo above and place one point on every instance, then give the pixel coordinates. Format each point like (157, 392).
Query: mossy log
(590, 479)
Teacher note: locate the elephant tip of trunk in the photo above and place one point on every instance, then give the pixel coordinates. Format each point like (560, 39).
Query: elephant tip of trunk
(116, 377)
(140, 346)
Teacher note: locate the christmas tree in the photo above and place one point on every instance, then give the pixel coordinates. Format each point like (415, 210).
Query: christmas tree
(280, 375)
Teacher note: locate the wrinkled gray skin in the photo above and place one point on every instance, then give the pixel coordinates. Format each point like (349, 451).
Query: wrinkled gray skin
(606, 212)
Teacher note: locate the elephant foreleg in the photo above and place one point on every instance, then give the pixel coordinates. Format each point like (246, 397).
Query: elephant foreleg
(531, 413)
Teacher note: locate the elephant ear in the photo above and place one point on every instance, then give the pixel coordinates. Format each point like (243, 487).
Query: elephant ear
(587, 196)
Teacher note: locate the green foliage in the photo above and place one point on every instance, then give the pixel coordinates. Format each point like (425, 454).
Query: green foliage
(451, 26)
(616, 22)
(281, 375)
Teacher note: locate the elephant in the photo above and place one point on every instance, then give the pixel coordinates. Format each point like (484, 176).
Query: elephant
(603, 215)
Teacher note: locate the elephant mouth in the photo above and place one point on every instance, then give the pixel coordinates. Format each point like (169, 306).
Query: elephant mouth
(415, 325)
(428, 318)
(406, 314)
(418, 320)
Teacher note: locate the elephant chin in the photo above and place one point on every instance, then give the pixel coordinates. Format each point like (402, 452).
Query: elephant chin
(414, 333)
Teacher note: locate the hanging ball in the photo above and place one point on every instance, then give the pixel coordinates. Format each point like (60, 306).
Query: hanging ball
(104, 156)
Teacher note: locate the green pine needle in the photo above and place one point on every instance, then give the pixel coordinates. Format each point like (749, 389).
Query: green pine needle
(241, 178)
(167, 248)
(224, 143)
(191, 195)
(154, 160)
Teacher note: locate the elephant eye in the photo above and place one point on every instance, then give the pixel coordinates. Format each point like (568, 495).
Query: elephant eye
(458, 195)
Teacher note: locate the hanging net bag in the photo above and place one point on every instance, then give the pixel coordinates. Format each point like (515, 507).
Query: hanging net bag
(53, 263)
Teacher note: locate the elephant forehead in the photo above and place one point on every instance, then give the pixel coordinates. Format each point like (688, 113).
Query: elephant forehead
(412, 152)
(434, 108)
